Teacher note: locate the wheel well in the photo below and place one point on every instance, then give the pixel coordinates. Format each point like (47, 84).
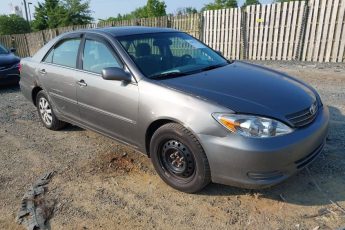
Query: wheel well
(152, 129)
(34, 94)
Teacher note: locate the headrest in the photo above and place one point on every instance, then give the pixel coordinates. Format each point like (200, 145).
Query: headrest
(143, 49)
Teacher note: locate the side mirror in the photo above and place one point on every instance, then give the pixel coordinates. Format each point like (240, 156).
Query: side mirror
(13, 50)
(116, 74)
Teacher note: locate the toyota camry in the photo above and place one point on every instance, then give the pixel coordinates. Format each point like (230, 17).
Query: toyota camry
(197, 115)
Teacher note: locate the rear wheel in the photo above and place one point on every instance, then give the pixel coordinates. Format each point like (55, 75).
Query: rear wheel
(179, 158)
(46, 113)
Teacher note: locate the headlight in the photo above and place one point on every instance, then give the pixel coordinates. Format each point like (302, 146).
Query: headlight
(252, 126)
(16, 66)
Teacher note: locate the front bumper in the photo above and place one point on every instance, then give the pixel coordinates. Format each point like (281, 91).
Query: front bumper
(258, 163)
(9, 76)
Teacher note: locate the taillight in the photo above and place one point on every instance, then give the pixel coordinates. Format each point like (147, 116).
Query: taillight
(20, 67)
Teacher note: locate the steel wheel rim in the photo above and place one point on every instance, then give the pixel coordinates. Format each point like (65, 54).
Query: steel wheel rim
(45, 111)
(177, 160)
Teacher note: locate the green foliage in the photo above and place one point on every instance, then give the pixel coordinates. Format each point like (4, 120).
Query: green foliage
(140, 12)
(55, 13)
(220, 4)
(153, 8)
(40, 18)
(48, 15)
(13, 24)
(77, 12)
(251, 2)
(186, 10)
(119, 17)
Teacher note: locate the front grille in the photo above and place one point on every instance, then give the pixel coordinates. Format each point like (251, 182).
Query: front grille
(309, 158)
(304, 117)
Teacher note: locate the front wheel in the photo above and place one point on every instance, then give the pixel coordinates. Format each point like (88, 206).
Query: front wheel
(179, 158)
(46, 113)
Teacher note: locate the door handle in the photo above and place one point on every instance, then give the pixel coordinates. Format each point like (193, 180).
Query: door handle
(42, 71)
(82, 83)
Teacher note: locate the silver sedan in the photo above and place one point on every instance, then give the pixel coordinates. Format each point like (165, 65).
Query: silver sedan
(198, 116)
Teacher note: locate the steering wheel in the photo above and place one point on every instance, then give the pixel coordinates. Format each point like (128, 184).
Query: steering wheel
(185, 59)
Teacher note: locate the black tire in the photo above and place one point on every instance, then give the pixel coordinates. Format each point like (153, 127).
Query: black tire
(55, 123)
(176, 142)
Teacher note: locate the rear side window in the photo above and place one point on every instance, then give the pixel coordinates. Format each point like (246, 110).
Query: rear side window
(49, 57)
(98, 56)
(65, 53)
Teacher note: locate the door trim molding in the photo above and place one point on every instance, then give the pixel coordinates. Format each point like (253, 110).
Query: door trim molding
(63, 98)
(107, 113)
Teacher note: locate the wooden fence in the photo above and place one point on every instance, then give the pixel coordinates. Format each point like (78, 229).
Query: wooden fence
(325, 32)
(222, 31)
(311, 30)
(274, 30)
(299, 30)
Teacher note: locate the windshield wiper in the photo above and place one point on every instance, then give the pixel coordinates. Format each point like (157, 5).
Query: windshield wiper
(179, 74)
(213, 67)
(168, 75)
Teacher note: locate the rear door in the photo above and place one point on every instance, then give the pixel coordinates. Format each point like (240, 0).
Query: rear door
(108, 106)
(58, 74)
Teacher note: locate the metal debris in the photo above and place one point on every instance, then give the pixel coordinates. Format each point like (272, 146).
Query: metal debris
(34, 213)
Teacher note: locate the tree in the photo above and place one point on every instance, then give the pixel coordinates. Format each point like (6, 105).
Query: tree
(251, 2)
(220, 4)
(76, 12)
(40, 18)
(186, 10)
(119, 17)
(140, 12)
(13, 24)
(48, 14)
(153, 8)
(55, 13)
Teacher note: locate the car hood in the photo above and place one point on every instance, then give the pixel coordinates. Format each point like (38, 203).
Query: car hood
(247, 88)
(8, 59)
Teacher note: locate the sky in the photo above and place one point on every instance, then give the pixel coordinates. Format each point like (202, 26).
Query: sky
(109, 8)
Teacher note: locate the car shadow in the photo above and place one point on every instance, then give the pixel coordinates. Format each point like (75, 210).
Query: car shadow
(72, 128)
(9, 88)
(321, 183)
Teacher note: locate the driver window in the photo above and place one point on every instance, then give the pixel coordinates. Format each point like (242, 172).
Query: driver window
(98, 56)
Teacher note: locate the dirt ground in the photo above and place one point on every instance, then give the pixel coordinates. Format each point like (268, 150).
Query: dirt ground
(100, 184)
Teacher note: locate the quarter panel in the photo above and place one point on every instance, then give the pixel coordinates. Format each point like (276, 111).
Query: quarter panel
(28, 77)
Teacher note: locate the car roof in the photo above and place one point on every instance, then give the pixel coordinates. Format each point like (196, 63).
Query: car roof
(129, 30)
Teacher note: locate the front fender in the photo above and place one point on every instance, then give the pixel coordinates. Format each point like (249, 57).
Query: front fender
(157, 102)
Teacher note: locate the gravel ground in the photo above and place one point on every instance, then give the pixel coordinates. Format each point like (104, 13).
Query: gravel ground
(100, 184)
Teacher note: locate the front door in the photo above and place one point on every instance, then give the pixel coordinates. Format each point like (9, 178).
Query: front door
(108, 106)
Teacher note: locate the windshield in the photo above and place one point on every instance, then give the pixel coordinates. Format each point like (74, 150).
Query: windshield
(173, 54)
(3, 50)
